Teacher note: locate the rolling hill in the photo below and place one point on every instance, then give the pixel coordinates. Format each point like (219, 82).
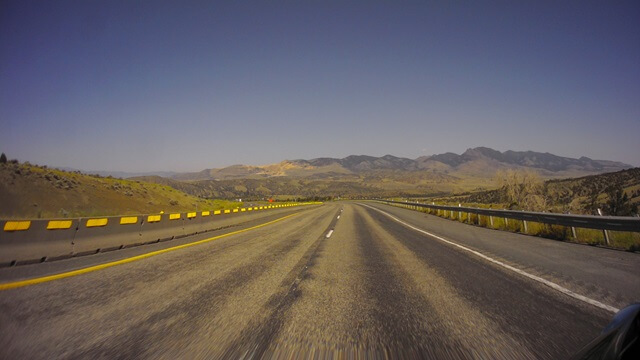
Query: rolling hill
(28, 191)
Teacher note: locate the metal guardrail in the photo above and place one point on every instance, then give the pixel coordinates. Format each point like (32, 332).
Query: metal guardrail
(614, 223)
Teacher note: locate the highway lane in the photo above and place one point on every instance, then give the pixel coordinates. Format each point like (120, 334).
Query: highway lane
(373, 288)
(229, 224)
(609, 276)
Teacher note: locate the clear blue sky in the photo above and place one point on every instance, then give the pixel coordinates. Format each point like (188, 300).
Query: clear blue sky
(187, 85)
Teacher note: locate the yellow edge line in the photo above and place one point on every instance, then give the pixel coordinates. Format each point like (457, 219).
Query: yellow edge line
(17, 284)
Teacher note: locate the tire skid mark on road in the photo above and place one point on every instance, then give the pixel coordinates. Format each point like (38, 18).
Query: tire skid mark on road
(325, 321)
(258, 336)
(399, 329)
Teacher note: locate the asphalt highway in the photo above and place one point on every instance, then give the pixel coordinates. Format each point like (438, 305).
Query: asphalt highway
(345, 279)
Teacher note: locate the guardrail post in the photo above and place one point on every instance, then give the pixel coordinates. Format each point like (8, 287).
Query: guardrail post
(469, 217)
(491, 220)
(605, 232)
(459, 213)
(525, 226)
(573, 231)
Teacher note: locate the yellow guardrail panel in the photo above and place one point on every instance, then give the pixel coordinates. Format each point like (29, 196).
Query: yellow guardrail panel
(227, 211)
(191, 215)
(243, 209)
(174, 216)
(249, 209)
(128, 220)
(154, 218)
(235, 210)
(17, 225)
(97, 222)
(261, 207)
(217, 212)
(206, 213)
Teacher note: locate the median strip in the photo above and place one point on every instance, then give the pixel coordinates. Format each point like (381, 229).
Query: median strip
(21, 283)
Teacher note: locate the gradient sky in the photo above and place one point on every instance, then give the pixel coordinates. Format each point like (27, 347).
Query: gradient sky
(188, 85)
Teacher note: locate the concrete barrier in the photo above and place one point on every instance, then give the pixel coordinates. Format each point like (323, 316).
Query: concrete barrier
(216, 220)
(161, 227)
(193, 223)
(205, 219)
(107, 233)
(26, 241)
(36, 240)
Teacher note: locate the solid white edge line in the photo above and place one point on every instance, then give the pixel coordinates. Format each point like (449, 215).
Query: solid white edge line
(329, 234)
(509, 267)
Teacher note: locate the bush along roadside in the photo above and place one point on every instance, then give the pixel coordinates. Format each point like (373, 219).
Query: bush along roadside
(622, 240)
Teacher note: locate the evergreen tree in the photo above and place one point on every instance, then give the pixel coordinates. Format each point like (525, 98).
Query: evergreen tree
(619, 203)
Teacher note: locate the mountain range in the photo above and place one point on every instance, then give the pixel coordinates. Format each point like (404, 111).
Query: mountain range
(475, 162)
(38, 191)
(362, 175)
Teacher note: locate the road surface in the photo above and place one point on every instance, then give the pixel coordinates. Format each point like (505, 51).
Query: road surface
(349, 279)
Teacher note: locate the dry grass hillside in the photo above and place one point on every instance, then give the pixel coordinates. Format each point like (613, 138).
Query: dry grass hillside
(581, 195)
(28, 191)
